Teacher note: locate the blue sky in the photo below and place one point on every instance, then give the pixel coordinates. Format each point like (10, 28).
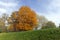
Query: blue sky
(48, 8)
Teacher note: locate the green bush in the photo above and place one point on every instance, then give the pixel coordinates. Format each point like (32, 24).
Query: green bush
(44, 34)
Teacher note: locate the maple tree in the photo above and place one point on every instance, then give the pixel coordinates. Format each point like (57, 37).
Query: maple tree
(24, 19)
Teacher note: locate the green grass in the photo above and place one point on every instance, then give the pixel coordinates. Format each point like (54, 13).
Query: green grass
(44, 34)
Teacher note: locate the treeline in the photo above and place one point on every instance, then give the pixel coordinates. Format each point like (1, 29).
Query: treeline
(23, 20)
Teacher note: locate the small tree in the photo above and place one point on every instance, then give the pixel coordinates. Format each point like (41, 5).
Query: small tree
(49, 24)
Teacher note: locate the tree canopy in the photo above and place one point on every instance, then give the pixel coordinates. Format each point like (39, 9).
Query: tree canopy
(24, 19)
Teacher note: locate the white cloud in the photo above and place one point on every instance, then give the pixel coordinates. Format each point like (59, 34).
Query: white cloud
(54, 11)
(2, 10)
(8, 4)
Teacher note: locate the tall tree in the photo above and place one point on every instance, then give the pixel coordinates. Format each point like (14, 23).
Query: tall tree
(24, 19)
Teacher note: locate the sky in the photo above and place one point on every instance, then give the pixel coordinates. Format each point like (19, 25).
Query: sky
(48, 8)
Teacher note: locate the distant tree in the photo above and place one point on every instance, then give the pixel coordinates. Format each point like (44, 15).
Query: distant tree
(4, 16)
(49, 24)
(1, 25)
(24, 19)
(41, 21)
(4, 20)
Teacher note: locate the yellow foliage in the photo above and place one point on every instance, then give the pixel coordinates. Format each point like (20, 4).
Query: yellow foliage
(24, 19)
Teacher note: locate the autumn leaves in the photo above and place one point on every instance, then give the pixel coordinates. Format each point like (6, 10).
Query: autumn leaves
(24, 19)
